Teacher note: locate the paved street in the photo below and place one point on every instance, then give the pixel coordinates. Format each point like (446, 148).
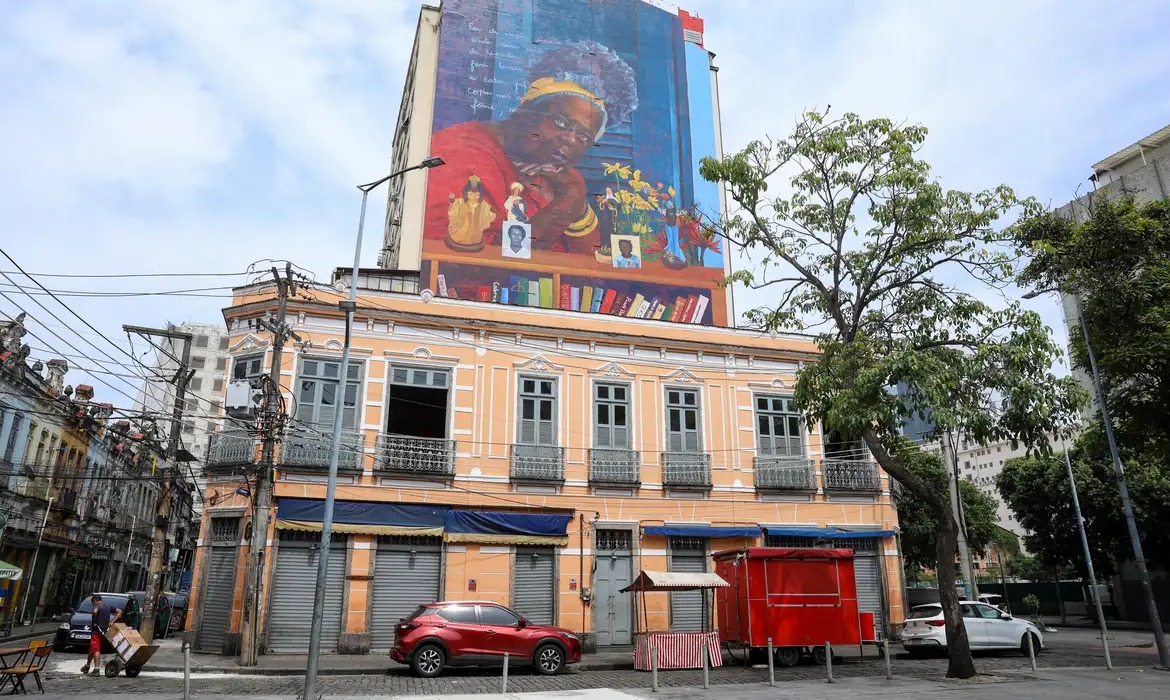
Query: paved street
(1067, 684)
(1068, 648)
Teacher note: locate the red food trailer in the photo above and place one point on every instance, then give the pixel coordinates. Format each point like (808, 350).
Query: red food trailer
(800, 598)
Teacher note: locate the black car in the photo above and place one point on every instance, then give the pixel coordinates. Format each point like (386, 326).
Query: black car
(168, 615)
(75, 633)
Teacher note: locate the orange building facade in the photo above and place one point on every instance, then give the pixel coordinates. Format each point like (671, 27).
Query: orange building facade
(532, 457)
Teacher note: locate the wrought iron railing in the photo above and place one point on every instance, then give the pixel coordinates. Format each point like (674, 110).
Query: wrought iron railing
(69, 500)
(850, 475)
(538, 462)
(781, 473)
(230, 448)
(415, 455)
(614, 466)
(686, 469)
(308, 447)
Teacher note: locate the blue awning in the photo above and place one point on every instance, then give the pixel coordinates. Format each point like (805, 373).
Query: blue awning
(506, 528)
(828, 533)
(710, 531)
(362, 517)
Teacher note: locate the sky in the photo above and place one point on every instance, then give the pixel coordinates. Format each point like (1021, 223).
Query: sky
(168, 137)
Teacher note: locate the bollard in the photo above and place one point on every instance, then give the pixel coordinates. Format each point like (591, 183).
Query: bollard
(886, 653)
(706, 664)
(654, 669)
(186, 668)
(829, 660)
(505, 690)
(1031, 650)
(771, 665)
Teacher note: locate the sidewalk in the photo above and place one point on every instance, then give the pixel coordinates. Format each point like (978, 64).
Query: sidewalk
(22, 632)
(169, 657)
(1066, 684)
(1086, 623)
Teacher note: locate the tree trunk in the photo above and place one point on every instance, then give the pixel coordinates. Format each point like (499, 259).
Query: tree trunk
(946, 549)
(958, 645)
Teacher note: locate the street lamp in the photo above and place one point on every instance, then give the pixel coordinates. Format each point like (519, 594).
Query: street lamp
(1126, 507)
(348, 306)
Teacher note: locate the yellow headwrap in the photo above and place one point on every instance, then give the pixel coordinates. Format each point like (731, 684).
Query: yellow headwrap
(542, 87)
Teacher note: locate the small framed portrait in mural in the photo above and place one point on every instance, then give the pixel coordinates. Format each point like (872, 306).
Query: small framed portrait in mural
(517, 240)
(627, 251)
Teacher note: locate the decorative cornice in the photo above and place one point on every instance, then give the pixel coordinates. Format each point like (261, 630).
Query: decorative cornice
(539, 363)
(612, 369)
(682, 376)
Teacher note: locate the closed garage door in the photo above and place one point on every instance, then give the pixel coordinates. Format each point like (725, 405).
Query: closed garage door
(534, 590)
(220, 584)
(868, 573)
(688, 555)
(406, 574)
(293, 584)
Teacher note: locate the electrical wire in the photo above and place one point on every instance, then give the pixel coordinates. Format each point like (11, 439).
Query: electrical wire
(135, 275)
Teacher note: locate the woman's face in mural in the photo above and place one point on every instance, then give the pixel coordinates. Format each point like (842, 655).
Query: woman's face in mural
(560, 129)
(473, 197)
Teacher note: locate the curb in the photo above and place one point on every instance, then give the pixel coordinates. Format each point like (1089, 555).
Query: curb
(366, 671)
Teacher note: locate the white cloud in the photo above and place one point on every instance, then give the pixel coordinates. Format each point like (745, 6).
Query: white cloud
(160, 136)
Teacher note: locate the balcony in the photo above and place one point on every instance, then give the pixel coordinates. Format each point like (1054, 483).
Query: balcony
(415, 456)
(230, 449)
(305, 448)
(686, 470)
(614, 466)
(781, 473)
(858, 476)
(69, 500)
(538, 463)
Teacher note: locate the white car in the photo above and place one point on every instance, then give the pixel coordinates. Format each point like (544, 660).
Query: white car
(988, 628)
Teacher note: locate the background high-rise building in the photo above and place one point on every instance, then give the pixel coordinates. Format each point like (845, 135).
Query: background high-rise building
(201, 409)
(1140, 170)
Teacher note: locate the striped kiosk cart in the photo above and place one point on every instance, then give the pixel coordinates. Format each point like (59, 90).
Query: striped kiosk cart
(676, 650)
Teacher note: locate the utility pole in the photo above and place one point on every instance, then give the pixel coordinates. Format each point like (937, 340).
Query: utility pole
(1139, 557)
(957, 510)
(271, 424)
(158, 547)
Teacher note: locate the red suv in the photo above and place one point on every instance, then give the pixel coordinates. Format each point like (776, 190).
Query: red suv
(476, 634)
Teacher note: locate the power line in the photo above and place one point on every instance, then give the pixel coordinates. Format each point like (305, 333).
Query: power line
(71, 345)
(135, 275)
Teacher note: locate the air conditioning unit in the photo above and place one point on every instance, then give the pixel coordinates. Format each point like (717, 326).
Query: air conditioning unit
(243, 396)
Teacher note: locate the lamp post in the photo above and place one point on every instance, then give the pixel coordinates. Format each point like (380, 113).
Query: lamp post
(1139, 556)
(348, 306)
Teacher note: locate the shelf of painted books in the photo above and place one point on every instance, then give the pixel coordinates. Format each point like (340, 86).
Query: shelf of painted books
(562, 281)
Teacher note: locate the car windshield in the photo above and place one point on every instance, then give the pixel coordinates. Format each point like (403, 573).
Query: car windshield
(115, 603)
(925, 611)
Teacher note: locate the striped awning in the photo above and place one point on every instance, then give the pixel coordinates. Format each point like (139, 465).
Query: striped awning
(10, 571)
(674, 581)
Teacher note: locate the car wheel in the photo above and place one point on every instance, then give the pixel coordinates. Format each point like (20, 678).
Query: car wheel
(428, 661)
(1035, 643)
(787, 657)
(59, 647)
(549, 659)
(819, 656)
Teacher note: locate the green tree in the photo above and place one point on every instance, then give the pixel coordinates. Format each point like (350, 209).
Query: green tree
(1117, 262)
(863, 247)
(919, 524)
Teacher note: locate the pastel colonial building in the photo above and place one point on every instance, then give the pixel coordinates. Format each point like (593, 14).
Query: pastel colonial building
(529, 456)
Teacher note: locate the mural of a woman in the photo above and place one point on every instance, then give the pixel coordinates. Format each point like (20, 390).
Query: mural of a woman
(575, 92)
